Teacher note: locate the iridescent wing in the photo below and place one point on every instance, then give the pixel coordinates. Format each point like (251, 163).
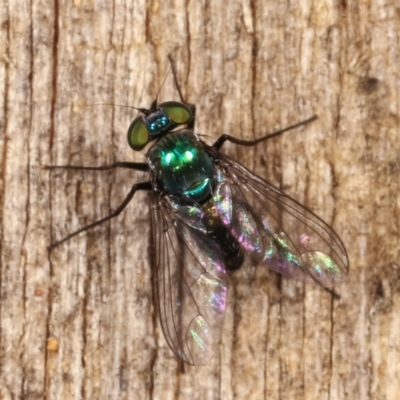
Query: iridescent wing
(191, 281)
(277, 230)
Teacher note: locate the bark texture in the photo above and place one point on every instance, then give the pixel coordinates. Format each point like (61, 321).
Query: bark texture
(80, 322)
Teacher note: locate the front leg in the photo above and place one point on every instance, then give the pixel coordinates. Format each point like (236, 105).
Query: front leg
(119, 164)
(224, 137)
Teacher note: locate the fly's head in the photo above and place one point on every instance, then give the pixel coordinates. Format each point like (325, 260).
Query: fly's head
(157, 121)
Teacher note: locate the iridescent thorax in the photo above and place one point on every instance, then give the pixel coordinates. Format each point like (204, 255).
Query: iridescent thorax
(182, 166)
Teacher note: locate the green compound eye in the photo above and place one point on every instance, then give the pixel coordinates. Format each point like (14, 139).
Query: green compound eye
(177, 112)
(138, 135)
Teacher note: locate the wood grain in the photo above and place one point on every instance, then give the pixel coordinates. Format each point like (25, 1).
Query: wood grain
(80, 322)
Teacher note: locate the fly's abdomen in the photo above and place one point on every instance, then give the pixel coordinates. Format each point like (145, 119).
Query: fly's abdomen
(203, 224)
(230, 248)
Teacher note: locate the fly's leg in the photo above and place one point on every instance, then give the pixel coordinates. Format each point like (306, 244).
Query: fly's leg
(178, 88)
(223, 138)
(130, 165)
(136, 187)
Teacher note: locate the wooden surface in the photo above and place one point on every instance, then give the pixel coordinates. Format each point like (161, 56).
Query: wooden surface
(80, 322)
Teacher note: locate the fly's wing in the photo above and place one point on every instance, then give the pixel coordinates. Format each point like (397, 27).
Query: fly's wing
(191, 281)
(278, 230)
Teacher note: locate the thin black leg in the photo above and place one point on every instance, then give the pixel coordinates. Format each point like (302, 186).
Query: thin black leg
(223, 138)
(130, 165)
(332, 293)
(135, 188)
(178, 88)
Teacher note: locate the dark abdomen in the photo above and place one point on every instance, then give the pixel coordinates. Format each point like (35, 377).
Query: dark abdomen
(229, 246)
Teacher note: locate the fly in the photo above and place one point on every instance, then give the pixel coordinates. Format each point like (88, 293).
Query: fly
(209, 214)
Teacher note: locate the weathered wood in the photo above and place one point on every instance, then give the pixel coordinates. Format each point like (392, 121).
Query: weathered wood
(79, 322)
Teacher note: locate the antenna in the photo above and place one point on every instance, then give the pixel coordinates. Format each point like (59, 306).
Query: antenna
(162, 84)
(178, 88)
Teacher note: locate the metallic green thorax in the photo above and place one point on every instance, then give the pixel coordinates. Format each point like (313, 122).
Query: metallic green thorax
(182, 165)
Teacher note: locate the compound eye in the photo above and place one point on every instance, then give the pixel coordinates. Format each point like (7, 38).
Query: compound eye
(138, 135)
(178, 113)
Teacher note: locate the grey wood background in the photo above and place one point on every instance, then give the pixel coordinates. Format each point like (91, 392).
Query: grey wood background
(79, 322)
